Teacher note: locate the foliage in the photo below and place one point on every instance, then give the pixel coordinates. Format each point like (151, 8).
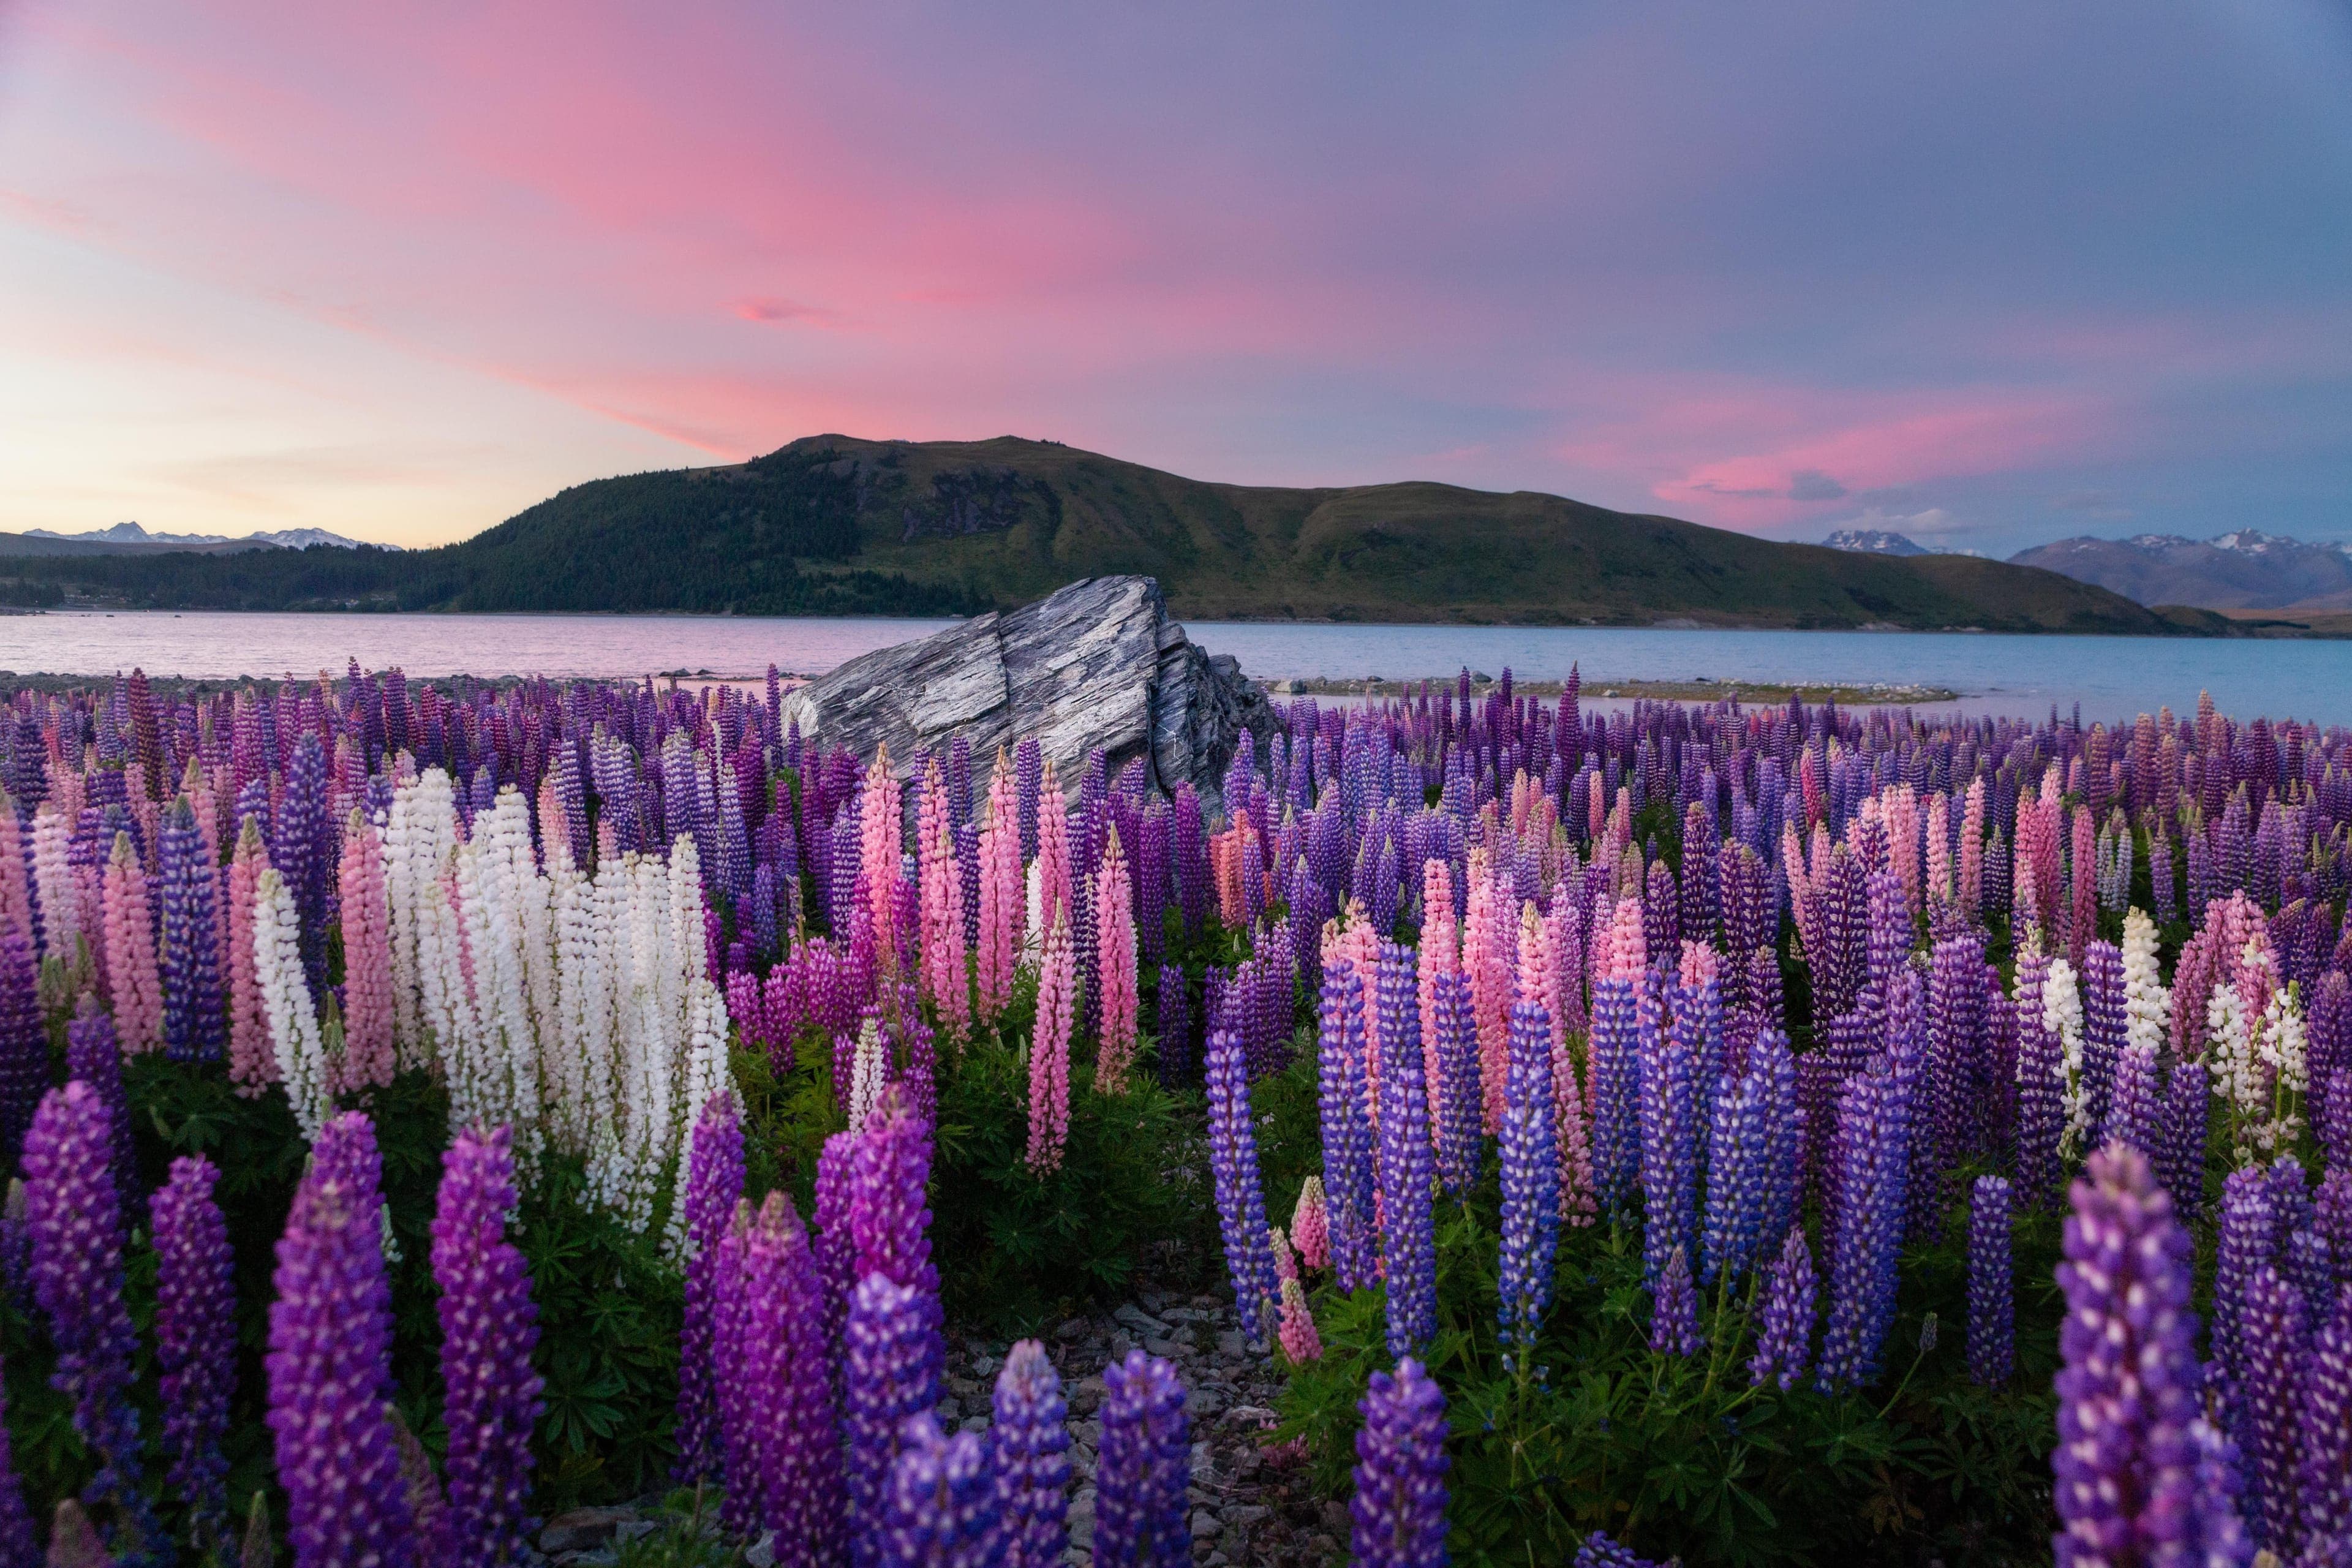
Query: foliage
(687, 1536)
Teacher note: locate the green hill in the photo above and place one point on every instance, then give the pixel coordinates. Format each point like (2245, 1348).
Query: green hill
(831, 524)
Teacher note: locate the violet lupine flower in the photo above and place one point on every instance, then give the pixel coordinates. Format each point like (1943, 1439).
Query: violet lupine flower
(775, 1387)
(1530, 1176)
(2274, 1340)
(2249, 1237)
(1784, 1335)
(2106, 1026)
(94, 1056)
(2137, 1471)
(1669, 1117)
(888, 1223)
(1409, 1243)
(1346, 1132)
(77, 1230)
(195, 1303)
(1399, 1511)
(1613, 1054)
(490, 1326)
(303, 852)
(1873, 1142)
(1241, 1200)
(714, 1185)
(1175, 1025)
(1029, 1443)
(1673, 1309)
(1737, 1186)
(16, 1540)
(2041, 1093)
(1602, 1550)
(891, 1369)
(1459, 1144)
(940, 1507)
(194, 1027)
(1992, 1298)
(2325, 1482)
(24, 1045)
(2180, 1161)
(330, 1364)
(1143, 1467)
(2136, 1110)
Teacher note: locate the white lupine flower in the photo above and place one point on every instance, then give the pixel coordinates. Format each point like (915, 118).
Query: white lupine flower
(2147, 1002)
(53, 881)
(286, 1004)
(2262, 1067)
(869, 1072)
(2061, 1014)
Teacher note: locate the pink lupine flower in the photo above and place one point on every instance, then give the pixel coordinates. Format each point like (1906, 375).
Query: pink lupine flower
(252, 1063)
(367, 959)
(1310, 1229)
(1114, 914)
(131, 952)
(945, 977)
(1049, 1051)
(1001, 893)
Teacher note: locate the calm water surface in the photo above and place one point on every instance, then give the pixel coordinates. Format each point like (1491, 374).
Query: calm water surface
(2110, 677)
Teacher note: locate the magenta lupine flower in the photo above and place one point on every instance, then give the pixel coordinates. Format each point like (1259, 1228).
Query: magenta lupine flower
(2139, 1477)
(17, 1539)
(490, 1326)
(714, 1185)
(93, 1055)
(940, 1508)
(1143, 1467)
(1347, 1179)
(330, 1364)
(1029, 1443)
(1873, 1142)
(1992, 1298)
(77, 1231)
(1531, 1180)
(1241, 1200)
(1784, 1335)
(891, 1369)
(2275, 1339)
(1409, 1244)
(195, 1305)
(2325, 1482)
(1673, 1309)
(1399, 1511)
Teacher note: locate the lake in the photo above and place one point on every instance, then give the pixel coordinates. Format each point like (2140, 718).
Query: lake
(2110, 676)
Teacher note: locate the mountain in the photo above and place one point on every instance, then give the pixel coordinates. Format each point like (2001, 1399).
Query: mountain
(833, 524)
(1873, 541)
(2243, 568)
(130, 536)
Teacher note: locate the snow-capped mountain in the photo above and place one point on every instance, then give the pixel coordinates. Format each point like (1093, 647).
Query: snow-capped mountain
(1874, 541)
(131, 535)
(2242, 569)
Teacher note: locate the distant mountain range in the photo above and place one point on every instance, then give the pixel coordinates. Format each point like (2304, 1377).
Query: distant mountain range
(130, 536)
(835, 524)
(1874, 541)
(2243, 568)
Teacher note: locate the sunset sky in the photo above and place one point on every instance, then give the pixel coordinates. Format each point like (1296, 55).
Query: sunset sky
(1986, 273)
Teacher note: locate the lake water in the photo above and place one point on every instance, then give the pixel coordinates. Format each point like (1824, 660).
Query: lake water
(2110, 676)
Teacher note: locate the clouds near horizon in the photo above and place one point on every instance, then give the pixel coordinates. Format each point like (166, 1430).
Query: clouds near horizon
(403, 272)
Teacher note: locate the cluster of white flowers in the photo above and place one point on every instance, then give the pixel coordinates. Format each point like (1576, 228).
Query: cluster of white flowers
(2147, 1001)
(2260, 1068)
(2061, 1014)
(294, 1033)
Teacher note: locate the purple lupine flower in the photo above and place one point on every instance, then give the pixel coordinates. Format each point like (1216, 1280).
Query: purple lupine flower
(195, 1027)
(18, 1544)
(1873, 1141)
(2325, 1482)
(303, 852)
(940, 1508)
(1613, 1050)
(94, 1056)
(774, 1385)
(2041, 1095)
(1531, 1177)
(1459, 1141)
(490, 1326)
(1029, 1443)
(891, 1370)
(2310, 1268)
(2106, 1024)
(1955, 1046)
(77, 1229)
(195, 1302)
(1241, 1201)
(1601, 1549)
(2249, 1237)
(24, 1045)
(888, 1223)
(1346, 1133)
(2331, 1216)
(330, 1364)
(1409, 1243)
(2180, 1161)
(1739, 1189)
(2139, 1477)
(1175, 1025)
(1669, 1117)
(2135, 1111)
(836, 1250)
(2275, 1344)
(1398, 1511)
(1992, 1296)
(714, 1185)
(1673, 1309)
(1143, 1467)
(1785, 1333)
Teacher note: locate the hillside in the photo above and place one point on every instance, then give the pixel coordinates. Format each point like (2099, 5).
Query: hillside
(833, 524)
(2243, 568)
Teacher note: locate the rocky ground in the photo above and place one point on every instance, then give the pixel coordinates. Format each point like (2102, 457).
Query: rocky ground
(1251, 1501)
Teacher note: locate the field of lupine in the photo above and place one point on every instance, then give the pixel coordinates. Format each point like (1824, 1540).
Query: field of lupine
(1748, 1135)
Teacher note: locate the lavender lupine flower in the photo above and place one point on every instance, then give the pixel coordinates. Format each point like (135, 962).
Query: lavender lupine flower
(1752, 1164)
(490, 1326)
(1602, 1550)
(714, 1185)
(2325, 1482)
(1669, 1115)
(940, 1509)
(1409, 1244)
(1613, 1050)
(2275, 1339)
(17, 1541)
(1347, 1180)
(2249, 1237)
(1873, 1141)
(1673, 1309)
(194, 1318)
(891, 1369)
(1398, 1511)
(1241, 1201)
(1992, 1298)
(194, 1024)
(1459, 1142)
(330, 1364)
(77, 1230)
(94, 1056)
(1029, 1443)
(1530, 1176)
(1143, 1467)
(2140, 1478)
(1784, 1335)
(24, 1045)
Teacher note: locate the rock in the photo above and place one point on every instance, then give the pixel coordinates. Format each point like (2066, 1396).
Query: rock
(1206, 1526)
(1242, 1515)
(1097, 665)
(1231, 1344)
(1136, 1318)
(1085, 1397)
(762, 1553)
(582, 1528)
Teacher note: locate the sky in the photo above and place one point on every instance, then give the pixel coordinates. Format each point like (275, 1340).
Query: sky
(1987, 274)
